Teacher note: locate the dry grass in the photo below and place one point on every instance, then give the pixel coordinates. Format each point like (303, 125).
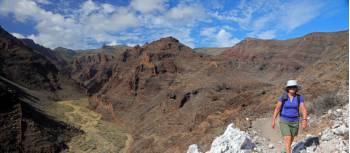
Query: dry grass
(99, 136)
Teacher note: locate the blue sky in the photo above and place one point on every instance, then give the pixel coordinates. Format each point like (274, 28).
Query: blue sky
(81, 24)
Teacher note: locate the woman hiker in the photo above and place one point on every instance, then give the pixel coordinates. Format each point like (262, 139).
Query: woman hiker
(288, 107)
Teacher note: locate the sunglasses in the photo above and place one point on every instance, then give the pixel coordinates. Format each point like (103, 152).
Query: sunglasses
(292, 87)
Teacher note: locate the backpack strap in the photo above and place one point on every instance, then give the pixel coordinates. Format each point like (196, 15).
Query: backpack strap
(284, 99)
(298, 97)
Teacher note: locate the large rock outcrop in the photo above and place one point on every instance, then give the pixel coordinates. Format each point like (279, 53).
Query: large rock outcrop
(26, 128)
(92, 68)
(331, 139)
(25, 66)
(232, 140)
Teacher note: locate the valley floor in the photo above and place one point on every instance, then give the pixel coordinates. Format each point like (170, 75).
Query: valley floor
(99, 135)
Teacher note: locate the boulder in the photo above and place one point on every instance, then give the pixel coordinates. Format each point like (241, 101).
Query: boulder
(232, 141)
(327, 134)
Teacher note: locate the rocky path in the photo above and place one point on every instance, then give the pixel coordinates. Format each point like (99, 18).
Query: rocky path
(99, 136)
(128, 143)
(319, 137)
(273, 138)
(262, 132)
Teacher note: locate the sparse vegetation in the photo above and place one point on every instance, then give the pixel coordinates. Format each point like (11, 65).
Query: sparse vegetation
(99, 135)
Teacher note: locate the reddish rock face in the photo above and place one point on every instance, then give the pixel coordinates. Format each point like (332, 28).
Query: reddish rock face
(165, 89)
(26, 128)
(92, 70)
(21, 64)
(284, 56)
(170, 96)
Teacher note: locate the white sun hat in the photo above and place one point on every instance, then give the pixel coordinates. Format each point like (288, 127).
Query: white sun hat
(292, 83)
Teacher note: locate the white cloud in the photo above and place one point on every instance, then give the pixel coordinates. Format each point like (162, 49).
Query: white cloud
(88, 7)
(17, 35)
(218, 37)
(208, 32)
(107, 8)
(43, 1)
(261, 17)
(225, 39)
(146, 6)
(185, 11)
(266, 34)
(112, 43)
(93, 23)
(297, 13)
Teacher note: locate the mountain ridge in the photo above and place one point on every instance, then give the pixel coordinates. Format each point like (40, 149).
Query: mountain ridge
(169, 96)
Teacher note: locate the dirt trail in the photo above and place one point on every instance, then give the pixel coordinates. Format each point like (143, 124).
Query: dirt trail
(128, 143)
(273, 136)
(99, 135)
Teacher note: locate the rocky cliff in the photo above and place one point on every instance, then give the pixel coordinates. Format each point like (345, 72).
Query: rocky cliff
(25, 128)
(20, 63)
(170, 96)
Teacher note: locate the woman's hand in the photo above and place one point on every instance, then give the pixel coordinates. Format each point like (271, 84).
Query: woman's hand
(275, 113)
(273, 124)
(304, 123)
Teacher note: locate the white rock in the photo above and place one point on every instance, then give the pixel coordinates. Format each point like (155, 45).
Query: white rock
(232, 141)
(311, 148)
(339, 110)
(303, 151)
(327, 134)
(193, 148)
(271, 146)
(337, 113)
(341, 130)
(329, 112)
(335, 125)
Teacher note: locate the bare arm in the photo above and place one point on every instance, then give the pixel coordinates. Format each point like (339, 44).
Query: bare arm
(303, 110)
(277, 110)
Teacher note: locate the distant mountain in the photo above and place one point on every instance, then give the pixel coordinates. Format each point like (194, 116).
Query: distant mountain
(210, 51)
(108, 49)
(283, 57)
(65, 57)
(27, 67)
(167, 95)
(83, 66)
(171, 96)
(60, 57)
(92, 68)
(29, 81)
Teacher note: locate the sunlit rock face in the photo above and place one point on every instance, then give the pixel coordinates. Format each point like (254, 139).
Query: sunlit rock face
(232, 141)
